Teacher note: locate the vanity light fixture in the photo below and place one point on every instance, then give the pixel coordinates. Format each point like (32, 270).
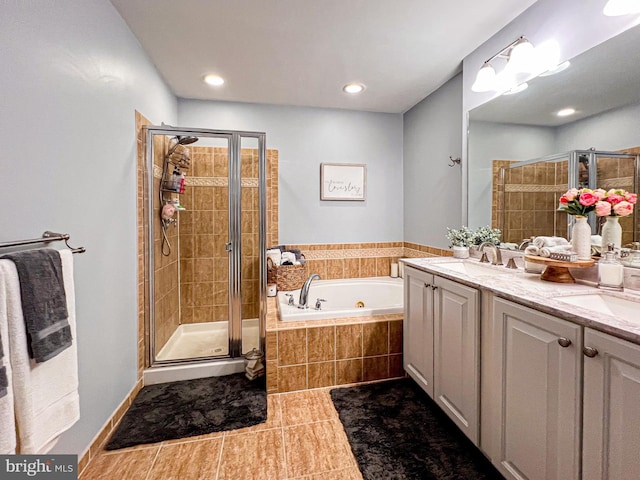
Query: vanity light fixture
(565, 112)
(614, 8)
(523, 61)
(213, 80)
(353, 88)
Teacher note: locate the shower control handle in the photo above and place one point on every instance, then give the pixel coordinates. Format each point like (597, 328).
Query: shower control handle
(227, 246)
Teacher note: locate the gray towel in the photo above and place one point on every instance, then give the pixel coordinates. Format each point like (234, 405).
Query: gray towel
(44, 303)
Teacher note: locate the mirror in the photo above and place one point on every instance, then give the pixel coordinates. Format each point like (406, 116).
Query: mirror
(600, 84)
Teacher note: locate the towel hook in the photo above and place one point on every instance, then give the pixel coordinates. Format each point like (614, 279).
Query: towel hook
(454, 161)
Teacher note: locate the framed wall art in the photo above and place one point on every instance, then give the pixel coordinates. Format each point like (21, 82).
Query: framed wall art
(343, 181)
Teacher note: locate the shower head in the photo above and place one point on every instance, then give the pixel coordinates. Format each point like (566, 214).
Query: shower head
(188, 140)
(178, 140)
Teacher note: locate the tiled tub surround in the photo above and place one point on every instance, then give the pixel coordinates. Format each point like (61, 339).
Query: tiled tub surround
(529, 290)
(320, 353)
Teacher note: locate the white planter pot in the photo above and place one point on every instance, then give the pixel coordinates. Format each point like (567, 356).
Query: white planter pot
(460, 252)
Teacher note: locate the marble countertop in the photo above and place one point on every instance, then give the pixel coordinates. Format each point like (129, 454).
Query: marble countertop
(527, 289)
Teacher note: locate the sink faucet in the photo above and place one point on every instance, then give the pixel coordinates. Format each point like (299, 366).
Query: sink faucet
(304, 292)
(497, 260)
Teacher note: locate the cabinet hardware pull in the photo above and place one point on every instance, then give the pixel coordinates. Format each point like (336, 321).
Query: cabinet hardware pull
(434, 287)
(427, 285)
(590, 352)
(564, 342)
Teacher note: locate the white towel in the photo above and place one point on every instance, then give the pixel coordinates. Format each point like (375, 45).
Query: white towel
(275, 255)
(531, 250)
(547, 251)
(7, 414)
(288, 257)
(549, 241)
(46, 394)
(596, 240)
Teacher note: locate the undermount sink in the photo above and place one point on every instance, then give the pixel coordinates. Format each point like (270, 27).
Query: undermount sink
(619, 307)
(474, 268)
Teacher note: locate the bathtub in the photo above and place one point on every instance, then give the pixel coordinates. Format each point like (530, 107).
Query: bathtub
(353, 297)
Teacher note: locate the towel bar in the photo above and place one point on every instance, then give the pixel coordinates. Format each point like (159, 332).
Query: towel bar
(46, 238)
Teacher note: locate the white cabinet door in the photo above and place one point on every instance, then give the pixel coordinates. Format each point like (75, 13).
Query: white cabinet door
(418, 327)
(538, 395)
(456, 365)
(611, 441)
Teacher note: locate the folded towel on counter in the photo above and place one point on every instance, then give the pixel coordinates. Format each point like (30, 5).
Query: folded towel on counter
(46, 394)
(532, 250)
(549, 241)
(547, 251)
(44, 305)
(509, 246)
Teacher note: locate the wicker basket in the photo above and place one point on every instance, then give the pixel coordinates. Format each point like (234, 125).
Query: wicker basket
(287, 277)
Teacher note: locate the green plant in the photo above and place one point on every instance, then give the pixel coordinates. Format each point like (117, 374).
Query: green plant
(486, 234)
(459, 237)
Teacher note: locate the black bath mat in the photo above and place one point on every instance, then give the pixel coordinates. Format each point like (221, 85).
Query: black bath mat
(397, 432)
(191, 407)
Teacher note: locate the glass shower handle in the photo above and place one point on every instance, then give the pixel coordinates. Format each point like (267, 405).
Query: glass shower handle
(227, 246)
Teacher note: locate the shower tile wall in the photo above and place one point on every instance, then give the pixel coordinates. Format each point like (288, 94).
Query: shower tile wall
(204, 231)
(530, 200)
(618, 173)
(166, 293)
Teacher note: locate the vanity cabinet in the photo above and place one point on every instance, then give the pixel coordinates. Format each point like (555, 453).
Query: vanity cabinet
(611, 437)
(441, 345)
(535, 398)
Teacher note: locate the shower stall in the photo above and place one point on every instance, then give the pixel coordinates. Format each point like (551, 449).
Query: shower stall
(205, 229)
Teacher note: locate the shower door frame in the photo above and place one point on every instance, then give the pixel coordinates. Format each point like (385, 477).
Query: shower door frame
(234, 138)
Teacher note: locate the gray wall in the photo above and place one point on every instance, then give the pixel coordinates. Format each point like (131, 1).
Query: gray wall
(72, 74)
(613, 130)
(305, 137)
(432, 131)
(490, 141)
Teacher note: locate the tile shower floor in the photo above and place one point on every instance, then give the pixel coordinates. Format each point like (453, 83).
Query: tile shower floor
(193, 340)
(301, 439)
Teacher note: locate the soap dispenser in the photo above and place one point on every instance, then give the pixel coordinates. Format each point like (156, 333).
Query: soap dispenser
(610, 270)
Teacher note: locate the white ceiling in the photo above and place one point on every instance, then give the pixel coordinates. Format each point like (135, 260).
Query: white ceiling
(301, 52)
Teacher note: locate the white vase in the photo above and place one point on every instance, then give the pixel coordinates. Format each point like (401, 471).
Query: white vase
(611, 233)
(581, 238)
(460, 252)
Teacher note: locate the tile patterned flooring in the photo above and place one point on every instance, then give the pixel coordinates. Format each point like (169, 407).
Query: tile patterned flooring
(301, 439)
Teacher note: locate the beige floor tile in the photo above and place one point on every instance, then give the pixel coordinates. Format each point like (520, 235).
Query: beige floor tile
(187, 461)
(307, 406)
(351, 473)
(274, 418)
(129, 465)
(197, 438)
(256, 455)
(316, 448)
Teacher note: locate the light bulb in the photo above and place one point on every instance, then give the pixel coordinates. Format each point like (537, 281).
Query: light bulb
(213, 80)
(521, 57)
(546, 56)
(485, 80)
(565, 112)
(353, 88)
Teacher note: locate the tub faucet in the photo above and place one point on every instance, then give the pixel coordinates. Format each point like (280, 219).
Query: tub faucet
(304, 292)
(497, 255)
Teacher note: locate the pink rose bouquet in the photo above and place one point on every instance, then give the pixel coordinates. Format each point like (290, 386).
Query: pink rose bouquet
(616, 203)
(580, 201)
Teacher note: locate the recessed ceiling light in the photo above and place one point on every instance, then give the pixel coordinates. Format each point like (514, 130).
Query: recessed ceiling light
(213, 80)
(353, 88)
(565, 112)
(517, 89)
(560, 68)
